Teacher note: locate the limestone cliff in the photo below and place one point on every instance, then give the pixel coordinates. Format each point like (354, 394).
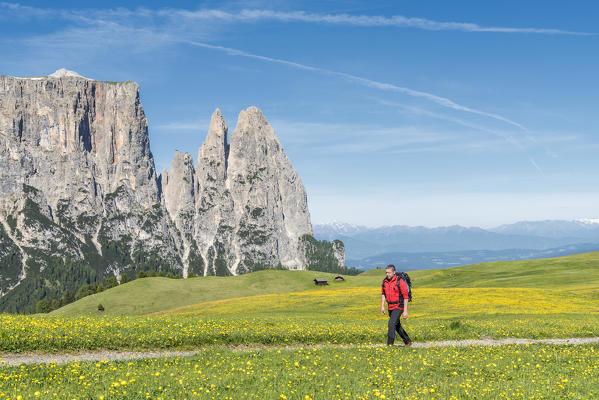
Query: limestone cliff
(79, 189)
(80, 198)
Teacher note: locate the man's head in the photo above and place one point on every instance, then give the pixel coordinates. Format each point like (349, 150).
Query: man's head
(390, 271)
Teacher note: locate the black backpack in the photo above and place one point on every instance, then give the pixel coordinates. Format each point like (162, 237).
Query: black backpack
(407, 280)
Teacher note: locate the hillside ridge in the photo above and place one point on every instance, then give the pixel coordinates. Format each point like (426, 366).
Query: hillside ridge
(152, 295)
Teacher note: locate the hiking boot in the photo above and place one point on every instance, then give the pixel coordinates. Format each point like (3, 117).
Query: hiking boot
(408, 344)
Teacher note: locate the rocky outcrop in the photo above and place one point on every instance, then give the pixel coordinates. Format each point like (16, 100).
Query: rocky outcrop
(214, 205)
(250, 205)
(271, 203)
(339, 251)
(79, 191)
(78, 181)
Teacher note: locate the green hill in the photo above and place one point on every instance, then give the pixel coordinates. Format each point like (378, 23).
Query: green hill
(149, 295)
(568, 272)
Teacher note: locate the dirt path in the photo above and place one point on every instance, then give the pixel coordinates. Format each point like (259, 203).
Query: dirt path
(11, 359)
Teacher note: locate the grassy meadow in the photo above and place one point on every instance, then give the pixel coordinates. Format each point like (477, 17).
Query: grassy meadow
(335, 315)
(551, 298)
(576, 274)
(548, 298)
(508, 372)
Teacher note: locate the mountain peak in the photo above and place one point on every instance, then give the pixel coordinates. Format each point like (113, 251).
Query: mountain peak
(217, 132)
(252, 117)
(589, 221)
(62, 73)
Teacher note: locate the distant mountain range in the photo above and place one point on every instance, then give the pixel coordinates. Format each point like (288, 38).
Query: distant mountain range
(422, 247)
(584, 228)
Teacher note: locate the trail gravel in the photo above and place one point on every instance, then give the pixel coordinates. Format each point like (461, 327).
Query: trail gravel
(13, 359)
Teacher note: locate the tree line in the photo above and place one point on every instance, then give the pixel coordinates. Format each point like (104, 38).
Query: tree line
(47, 305)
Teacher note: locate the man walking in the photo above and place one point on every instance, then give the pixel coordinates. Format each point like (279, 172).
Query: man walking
(397, 295)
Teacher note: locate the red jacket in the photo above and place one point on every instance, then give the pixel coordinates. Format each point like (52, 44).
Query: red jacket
(392, 295)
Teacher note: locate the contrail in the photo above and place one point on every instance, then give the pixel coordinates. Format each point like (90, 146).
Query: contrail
(507, 137)
(534, 164)
(445, 102)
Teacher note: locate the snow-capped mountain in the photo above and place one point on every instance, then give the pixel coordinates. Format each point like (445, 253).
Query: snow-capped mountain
(587, 228)
(590, 221)
(334, 230)
(363, 242)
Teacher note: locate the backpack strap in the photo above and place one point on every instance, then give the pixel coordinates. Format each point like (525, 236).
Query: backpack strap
(399, 278)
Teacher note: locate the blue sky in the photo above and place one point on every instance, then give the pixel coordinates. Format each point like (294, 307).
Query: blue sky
(418, 113)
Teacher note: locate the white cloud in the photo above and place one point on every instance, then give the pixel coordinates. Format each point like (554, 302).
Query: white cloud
(184, 17)
(16, 10)
(398, 21)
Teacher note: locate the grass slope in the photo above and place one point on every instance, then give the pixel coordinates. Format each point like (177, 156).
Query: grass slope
(568, 272)
(575, 271)
(150, 295)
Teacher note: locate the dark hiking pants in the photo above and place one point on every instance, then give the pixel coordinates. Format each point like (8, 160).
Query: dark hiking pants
(395, 325)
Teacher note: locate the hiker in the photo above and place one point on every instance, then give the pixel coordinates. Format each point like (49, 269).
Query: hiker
(397, 296)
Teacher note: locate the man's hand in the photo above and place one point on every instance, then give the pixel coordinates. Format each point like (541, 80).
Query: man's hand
(405, 314)
(383, 310)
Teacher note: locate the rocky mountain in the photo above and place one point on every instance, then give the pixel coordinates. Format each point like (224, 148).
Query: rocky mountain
(333, 230)
(243, 206)
(445, 259)
(80, 198)
(422, 247)
(367, 242)
(587, 229)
